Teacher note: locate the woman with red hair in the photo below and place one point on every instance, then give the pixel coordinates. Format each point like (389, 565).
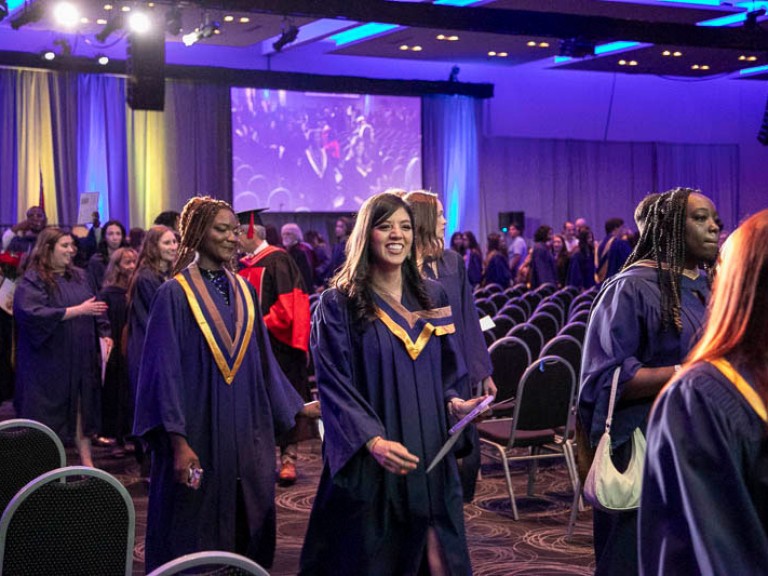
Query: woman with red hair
(704, 509)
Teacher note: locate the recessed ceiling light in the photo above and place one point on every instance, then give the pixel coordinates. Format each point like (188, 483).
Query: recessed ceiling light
(503, 54)
(404, 47)
(101, 21)
(491, 53)
(666, 53)
(543, 44)
(244, 20)
(531, 44)
(107, 6)
(228, 18)
(453, 38)
(84, 20)
(633, 62)
(677, 54)
(695, 67)
(126, 8)
(102, 60)
(622, 62)
(416, 48)
(752, 58)
(49, 55)
(440, 36)
(705, 67)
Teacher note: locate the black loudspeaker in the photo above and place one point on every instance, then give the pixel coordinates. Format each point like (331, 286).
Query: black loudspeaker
(507, 218)
(146, 70)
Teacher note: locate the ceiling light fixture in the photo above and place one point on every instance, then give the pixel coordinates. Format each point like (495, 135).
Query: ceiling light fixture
(139, 22)
(32, 12)
(66, 14)
(205, 30)
(102, 59)
(288, 35)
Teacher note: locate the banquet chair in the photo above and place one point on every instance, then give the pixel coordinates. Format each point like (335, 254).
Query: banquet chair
(543, 404)
(231, 564)
(576, 329)
(515, 313)
(531, 335)
(503, 324)
(510, 357)
(547, 325)
(486, 306)
(73, 521)
(27, 449)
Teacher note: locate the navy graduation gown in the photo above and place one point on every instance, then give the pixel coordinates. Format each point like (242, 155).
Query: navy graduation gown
(704, 505)
(365, 520)
(143, 291)
(184, 389)
(58, 362)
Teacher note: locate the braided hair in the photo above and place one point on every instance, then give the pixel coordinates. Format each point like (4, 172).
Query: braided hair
(196, 218)
(662, 239)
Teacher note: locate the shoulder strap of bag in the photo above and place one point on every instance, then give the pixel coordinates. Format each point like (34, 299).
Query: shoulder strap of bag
(741, 385)
(611, 402)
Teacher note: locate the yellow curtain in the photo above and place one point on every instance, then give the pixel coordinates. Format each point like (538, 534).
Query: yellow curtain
(147, 173)
(35, 144)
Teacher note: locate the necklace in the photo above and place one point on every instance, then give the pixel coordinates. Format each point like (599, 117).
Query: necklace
(219, 280)
(383, 292)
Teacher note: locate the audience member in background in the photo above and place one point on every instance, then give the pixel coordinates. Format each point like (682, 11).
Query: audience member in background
(457, 243)
(22, 236)
(343, 229)
(301, 252)
(581, 268)
(516, 247)
(447, 268)
(613, 250)
(116, 393)
(560, 254)
(87, 246)
(58, 359)
(703, 504)
(645, 320)
(322, 256)
(112, 238)
(543, 267)
(385, 395)
(580, 224)
(156, 259)
(285, 307)
(570, 237)
(473, 258)
(136, 238)
(496, 266)
(209, 400)
(169, 219)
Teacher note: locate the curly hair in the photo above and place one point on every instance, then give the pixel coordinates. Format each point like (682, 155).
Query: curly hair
(354, 280)
(116, 276)
(662, 240)
(196, 218)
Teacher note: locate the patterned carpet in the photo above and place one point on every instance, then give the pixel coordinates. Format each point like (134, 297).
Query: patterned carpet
(499, 546)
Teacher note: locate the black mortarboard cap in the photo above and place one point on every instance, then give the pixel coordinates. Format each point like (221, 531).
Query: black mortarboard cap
(250, 218)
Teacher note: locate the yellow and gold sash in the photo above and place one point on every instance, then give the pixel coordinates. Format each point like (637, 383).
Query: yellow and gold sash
(415, 348)
(234, 348)
(741, 385)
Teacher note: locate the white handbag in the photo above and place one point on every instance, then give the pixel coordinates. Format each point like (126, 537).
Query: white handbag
(606, 488)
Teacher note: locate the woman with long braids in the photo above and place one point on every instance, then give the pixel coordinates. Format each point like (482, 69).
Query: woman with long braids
(703, 504)
(447, 268)
(210, 400)
(645, 321)
(388, 376)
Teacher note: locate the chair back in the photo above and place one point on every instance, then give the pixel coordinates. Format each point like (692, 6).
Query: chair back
(486, 306)
(232, 564)
(503, 324)
(514, 312)
(544, 397)
(531, 335)
(554, 309)
(27, 450)
(581, 315)
(499, 299)
(493, 288)
(73, 521)
(576, 329)
(566, 347)
(547, 325)
(510, 357)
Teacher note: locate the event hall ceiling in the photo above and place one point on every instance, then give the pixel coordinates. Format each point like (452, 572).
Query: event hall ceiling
(693, 39)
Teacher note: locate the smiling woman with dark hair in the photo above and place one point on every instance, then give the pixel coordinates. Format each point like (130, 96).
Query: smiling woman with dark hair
(388, 376)
(210, 400)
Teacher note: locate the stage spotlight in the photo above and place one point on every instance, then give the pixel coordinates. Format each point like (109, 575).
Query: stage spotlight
(139, 22)
(32, 13)
(66, 14)
(288, 35)
(3, 9)
(454, 75)
(173, 21)
(205, 31)
(48, 55)
(64, 46)
(114, 23)
(102, 60)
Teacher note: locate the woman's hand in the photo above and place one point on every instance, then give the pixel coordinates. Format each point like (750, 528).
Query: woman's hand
(184, 459)
(392, 456)
(92, 307)
(460, 408)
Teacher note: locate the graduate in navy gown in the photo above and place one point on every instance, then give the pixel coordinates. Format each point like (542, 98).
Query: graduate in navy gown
(496, 267)
(388, 376)
(210, 399)
(704, 508)
(447, 268)
(645, 320)
(58, 357)
(581, 265)
(543, 267)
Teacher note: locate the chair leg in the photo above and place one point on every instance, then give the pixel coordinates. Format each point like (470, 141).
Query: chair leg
(533, 466)
(570, 458)
(511, 491)
(575, 508)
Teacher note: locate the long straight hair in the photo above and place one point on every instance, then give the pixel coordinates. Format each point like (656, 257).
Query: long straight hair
(424, 207)
(738, 308)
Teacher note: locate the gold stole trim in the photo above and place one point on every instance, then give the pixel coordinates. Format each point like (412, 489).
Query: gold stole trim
(741, 385)
(414, 348)
(218, 356)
